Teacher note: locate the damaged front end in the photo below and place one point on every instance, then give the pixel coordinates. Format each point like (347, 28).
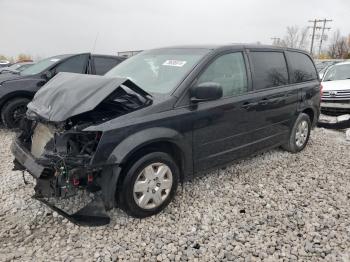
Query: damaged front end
(59, 154)
(60, 162)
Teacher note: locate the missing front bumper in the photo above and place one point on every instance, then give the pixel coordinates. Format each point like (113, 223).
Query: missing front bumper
(24, 160)
(48, 185)
(93, 214)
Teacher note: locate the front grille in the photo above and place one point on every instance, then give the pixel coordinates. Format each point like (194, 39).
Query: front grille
(336, 95)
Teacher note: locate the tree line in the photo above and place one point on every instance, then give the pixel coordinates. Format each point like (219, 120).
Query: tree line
(18, 58)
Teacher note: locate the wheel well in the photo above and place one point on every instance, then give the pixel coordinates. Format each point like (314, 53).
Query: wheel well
(14, 96)
(310, 113)
(162, 146)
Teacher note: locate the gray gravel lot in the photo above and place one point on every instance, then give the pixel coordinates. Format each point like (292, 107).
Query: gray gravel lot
(276, 206)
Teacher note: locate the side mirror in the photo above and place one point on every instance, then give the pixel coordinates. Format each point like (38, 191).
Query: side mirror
(47, 75)
(206, 91)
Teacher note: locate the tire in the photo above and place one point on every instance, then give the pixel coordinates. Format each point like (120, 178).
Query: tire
(134, 200)
(299, 137)
(13, 111)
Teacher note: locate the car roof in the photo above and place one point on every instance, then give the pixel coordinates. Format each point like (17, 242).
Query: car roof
(110, 56)
(61, 56)
(342, 63)
(234, 45)
(100, 55)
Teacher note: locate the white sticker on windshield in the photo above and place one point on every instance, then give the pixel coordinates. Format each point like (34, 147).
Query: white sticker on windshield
(54, 59)
(177, 63)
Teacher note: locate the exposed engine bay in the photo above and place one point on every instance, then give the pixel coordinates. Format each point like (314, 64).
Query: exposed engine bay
(59, 154)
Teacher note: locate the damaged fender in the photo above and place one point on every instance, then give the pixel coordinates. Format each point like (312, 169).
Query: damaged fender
(141, 139)
(108, 183)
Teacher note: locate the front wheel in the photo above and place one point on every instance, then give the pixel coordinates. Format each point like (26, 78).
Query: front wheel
(299, 135)
(149, 185)
(13, 112)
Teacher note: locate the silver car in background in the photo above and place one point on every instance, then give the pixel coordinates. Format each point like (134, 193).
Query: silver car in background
(335, 103)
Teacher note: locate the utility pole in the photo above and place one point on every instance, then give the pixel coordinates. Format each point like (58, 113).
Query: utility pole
(314, 27)
(322, 34)
(276, 41)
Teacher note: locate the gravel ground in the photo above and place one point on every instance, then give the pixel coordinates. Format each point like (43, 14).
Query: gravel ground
(276, 206)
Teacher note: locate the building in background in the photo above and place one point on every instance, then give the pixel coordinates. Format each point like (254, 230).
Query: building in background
(129, 53)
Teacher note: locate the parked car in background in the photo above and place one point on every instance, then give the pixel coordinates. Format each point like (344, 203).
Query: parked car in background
(322, 64)
(16, 90)
(326, 65)
(336, 90)
(16, 68)
(159, 118)
(4, 63)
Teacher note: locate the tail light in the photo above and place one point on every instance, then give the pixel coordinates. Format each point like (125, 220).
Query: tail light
(76, 181)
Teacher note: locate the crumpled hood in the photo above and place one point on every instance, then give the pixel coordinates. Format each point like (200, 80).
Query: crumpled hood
(337, 85)
(70, 94)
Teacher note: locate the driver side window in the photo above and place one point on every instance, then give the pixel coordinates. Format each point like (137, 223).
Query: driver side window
(75, 64)
(230, 72)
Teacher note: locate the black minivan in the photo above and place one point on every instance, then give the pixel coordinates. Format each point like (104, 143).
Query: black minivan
(159, 118)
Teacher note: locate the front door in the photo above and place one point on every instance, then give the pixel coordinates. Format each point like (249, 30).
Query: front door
(222, 128)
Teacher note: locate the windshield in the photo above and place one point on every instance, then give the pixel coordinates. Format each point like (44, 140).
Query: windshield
(15, 66)
(41, 66)
(160, 70)
(337, 72)
(22, 67)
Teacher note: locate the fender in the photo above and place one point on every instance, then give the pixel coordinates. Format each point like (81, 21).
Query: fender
(108, 183)
(148, 136)
(309, 99)
(130, 145)
(26, 87)
(316, 113)
(10, 95)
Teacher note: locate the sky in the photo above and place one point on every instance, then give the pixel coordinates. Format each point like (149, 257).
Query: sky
(44, 28)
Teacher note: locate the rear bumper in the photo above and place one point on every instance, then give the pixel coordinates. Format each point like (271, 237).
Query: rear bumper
(25, 159)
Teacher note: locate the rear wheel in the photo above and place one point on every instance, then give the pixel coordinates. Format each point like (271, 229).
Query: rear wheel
(299, 135)
(13, 112)
(149, 185)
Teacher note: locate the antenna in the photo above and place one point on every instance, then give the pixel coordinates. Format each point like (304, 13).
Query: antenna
(93, 48)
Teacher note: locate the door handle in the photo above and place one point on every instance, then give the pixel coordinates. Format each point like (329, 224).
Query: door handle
(263, 101)
(247, 105)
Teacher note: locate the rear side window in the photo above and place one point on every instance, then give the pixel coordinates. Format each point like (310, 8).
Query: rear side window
(75, 64)
(269, 69)
(104, 64)
(301, 67)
